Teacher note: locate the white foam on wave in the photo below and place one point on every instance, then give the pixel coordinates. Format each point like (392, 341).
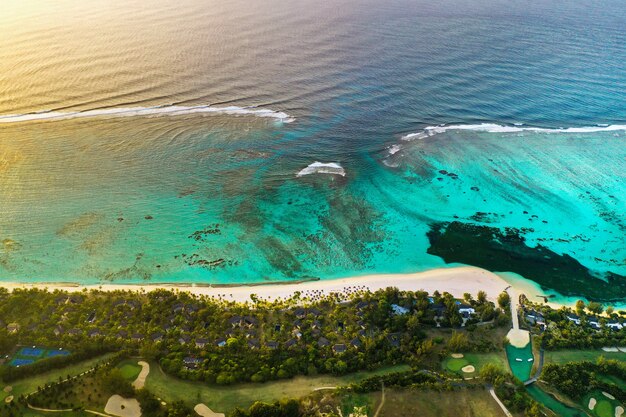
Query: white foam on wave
(147, 111)
(393, 149)
(491, 127)
(496, 128)
(322, 168)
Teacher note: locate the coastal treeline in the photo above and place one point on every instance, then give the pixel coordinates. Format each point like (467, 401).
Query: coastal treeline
(217, 341)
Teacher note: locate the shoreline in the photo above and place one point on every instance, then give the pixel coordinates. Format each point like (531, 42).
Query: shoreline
(456, 281)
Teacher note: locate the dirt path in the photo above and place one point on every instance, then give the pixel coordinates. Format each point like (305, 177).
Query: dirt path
(204, 411)
(502, 406)
(382, 401)
(48, 410)
(141, 378)
(97, 413)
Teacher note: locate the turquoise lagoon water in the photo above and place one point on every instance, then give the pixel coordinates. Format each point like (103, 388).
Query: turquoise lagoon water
(188, 193)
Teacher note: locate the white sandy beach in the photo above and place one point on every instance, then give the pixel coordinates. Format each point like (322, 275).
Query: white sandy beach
(456, 281)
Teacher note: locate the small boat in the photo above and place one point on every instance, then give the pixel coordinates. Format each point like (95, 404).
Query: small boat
(530, 359)
(519, 360)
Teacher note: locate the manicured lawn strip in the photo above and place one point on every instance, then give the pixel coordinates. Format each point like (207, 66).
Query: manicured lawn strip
(481, 359)
(541, 394)
(28, 385)
(611, 379)
(604, 406)
(604, 409)
(455, 364)
(564, 356)
(225, 398)
(411, 403)
(129, 369)
(478, 360)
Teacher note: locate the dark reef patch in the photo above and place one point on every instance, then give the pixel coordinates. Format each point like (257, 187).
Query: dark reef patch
(506, 250)
(201, 235)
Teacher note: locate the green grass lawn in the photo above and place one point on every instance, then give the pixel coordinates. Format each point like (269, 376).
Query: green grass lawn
(605, 407)
(611, 379)
(560, 406)
(455, 364)
(226, 398)
(564, 356)
(129, 369)
(478, 360)
(28, 385)
(481, 359)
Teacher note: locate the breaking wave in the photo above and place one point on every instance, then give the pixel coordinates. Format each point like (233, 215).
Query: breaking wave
(323, 168)
(147, 111)
(491, 127)
(496, 128)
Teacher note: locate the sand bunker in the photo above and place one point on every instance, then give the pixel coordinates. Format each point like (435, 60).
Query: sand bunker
(141, 378)
(205, 411)
(592, 403)
(122, 407)
(457, 355)
(610, 349)
(468, 369)
(518, 338)
(8, 388)
(8, 399)
(607, 395)
(619, 410)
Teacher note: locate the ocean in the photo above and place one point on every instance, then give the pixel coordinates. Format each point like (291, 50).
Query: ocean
(162, 142)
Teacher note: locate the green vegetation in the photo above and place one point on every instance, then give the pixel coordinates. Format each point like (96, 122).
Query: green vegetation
(226, 398)
(560, 409)
(578, 379)
(34, 413)
(411, 403)
(257, 359)
(477, 360)
(90, 391)
(129, 369)
(605, 407)
(203, 339)
(30, 384)
(560, 357)
(455, 364)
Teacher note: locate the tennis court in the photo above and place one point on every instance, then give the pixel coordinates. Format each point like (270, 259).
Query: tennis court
(53, 353)
(20, 362)
(31, 352)
(30, 355)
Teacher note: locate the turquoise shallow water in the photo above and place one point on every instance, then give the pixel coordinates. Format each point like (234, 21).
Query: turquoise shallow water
(197, 194)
